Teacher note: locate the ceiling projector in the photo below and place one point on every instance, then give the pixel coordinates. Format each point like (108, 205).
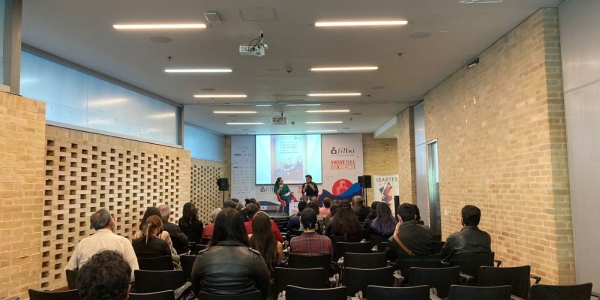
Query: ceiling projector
(279, 120)
(257, 50)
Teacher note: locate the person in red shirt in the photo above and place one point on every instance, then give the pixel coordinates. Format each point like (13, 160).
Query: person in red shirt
(252, 209)
(209, 229)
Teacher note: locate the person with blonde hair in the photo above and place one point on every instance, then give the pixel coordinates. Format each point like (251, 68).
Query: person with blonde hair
(149, 244)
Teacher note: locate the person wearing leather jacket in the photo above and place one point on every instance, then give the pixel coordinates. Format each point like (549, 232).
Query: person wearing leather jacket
(470, 239)
(229, 266)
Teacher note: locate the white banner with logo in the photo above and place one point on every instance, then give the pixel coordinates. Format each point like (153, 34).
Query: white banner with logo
(385, 187)
(342, 156)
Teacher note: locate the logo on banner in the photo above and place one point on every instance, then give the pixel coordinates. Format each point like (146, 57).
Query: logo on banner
(342, 151)
(266, 189)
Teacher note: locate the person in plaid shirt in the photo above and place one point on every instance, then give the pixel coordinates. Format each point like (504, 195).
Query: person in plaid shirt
(310, 243)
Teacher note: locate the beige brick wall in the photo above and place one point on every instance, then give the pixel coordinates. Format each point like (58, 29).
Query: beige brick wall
(22, 127)
(379, 158)
(502, 146)
(407, 179)
(85, 172)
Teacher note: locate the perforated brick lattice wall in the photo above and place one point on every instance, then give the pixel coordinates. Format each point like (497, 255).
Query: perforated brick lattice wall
(205, 193)
(86, 172)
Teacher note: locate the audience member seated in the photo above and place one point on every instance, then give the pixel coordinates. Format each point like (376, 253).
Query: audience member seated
(324, 211)
(333, 210)
(372, 215)
(310, 243)
(104, 276)
(410, 238)
(294, 222)
(103, 239)
(243, 212)
(360, 210)
(385, 223)
(208, 230)
(320, 228)
(149, 243)
(263, 240)
(229, 266)
(418, 213)
(230, 204)
(345, 224)
(252, 210)
(154, 211)
(470, 239)
(179, 240)
(190, 224)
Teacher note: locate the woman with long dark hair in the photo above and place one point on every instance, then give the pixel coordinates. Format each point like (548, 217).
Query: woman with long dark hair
(372, 215)
(263, 240)
(282, 190)
(385, 223)
(229, 266)
(149, 243)
(345, 224)
(332, 211)
(190, 224)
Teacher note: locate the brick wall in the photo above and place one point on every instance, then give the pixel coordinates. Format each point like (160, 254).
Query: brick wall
(407, 179)
(22, 126)
(501, 141)
(380, 157)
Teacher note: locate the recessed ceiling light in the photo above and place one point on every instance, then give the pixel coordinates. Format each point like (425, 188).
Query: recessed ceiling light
(325, 130)
(360, 23)
(329, 111)
(234, 112)
(158, 26)
(263, 105)
(250, 123)
(220, 96)
(333, 94)
(198, 70)
(333, 69)
(326, 122)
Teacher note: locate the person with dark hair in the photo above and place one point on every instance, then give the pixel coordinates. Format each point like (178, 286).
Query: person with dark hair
(418, 214)
(470, 239)
(252, 210)
(282, 190)
(190, 224)
(310, 243)
(294, 222)
(409, 238)
(103, 239)
(149, 243)
(345, 224)
(324, 211)
(263, 240)
(320, 226)
(385, 223)
(309, 188)
(230, 204)
(229, 266)
(179, 240)
(244, 212)
(106, 275)
(359, 208)
(163, 235)
(372, 215)
(332, 212)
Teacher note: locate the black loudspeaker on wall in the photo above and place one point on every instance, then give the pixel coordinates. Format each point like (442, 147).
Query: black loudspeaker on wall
(223, 184)
(365, 181)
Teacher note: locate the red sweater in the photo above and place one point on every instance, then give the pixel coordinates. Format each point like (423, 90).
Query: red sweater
(274, 227)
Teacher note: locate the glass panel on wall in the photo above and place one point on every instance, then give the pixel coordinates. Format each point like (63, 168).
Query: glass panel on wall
(433, 175)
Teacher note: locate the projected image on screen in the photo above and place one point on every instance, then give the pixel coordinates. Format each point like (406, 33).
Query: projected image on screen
(290, 157)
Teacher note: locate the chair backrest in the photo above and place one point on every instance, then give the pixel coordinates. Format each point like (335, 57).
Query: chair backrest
(205, 241)
(396, 293)
(439, 278)
(461, 292)
(366, 234)
(71, 279)
(187, 263)
(359, 279)
(377, 240)
(256, 295)
(164, 295)
(365, 260)
(343, 247)
(161, 263)
(300, 293)
(294, 233)
(470, 263)
(516, 277)
(158, 281)
(304, 262)
(436, 247)
(197, 248)
(47, 295)
(315, 278)
(560, 292)
(404, 263)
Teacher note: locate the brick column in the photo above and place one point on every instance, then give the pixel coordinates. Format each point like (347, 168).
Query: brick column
(406, 156)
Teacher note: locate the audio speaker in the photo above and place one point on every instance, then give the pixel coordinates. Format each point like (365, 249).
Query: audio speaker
(223, 184)
(360, 181)
(365, 181)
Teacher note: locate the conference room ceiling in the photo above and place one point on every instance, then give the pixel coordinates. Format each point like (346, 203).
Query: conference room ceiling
(82, 32)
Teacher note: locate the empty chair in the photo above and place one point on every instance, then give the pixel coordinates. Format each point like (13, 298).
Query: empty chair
(300, 293)
(404, 263)
(47, 295)
(517, 277)
(437, 246)
(561, 292)
(164, 295)
(187, 263)
(470, 263)
(303, 262)
(398, 293)
(342, 247)
(359, 279)
(256, 295)
(160, 263)
(71, 279)
(439, 278)
(307, 278)
(461, 292)
(158, 281)
(365, 260)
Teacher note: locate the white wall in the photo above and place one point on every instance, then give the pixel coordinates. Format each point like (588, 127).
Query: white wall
(203, 144)
(580, 43)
